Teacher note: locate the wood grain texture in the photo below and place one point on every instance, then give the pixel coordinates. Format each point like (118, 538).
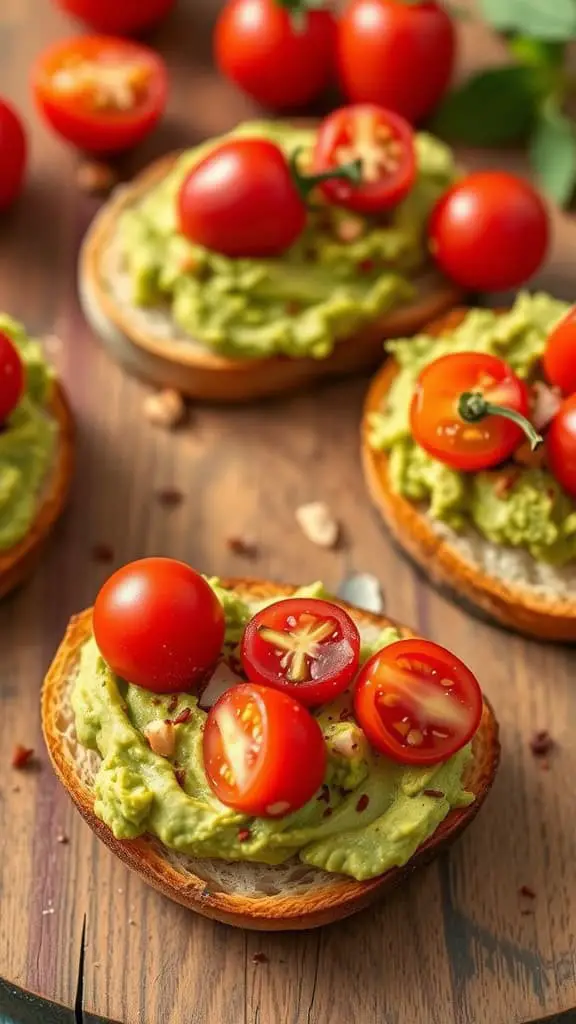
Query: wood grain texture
(455, 946)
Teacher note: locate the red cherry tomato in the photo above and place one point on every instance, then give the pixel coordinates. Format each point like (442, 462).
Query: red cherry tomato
(490, 231)
(305, 647)
(241, 200)
(13, 154)
(100, 93)
(382, 141)
(417, 702)
(560, 355)
(117, 18)
(264, 754)
(281, 59)
(12, 378)
(561, 445)
(439, 428)
(400, 55)
(159, 625)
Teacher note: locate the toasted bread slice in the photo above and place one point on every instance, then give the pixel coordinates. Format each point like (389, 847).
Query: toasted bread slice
(19, 562)
(290, 896)
(505, 585)
(149, 344)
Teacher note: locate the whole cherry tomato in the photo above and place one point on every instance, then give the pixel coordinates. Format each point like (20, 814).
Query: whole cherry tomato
(417, 702)
(12, 378)
(384, 144)
(13, 154)
(159, 625)
(561, 445)
(101, 93)
(118, 17)
(302, 646)
(490, 231)
(264, 753)
(283, 59)
(400, 55)
(469, 410)
(559, 358)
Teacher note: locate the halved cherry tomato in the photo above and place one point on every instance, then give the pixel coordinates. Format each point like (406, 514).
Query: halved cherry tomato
(13, 154)
(561, 445)
(382, 141)
(559, 358)
(12, 377)
(302, 646)
(159, 625)
(264, 754)
(436, 417)
(490, 231)
(118, 17)
(101, 93)
(417, 702)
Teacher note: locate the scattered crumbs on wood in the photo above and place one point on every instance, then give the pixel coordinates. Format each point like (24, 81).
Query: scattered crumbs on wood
(95, 177)
(47, 911)
(120, 892)
(63, 839)
(318, 524)
(15, 789)
(165, 409)
(245, 547)
(541, 743)
(97, 964)
(22, 757)
(260, 958)
(170, 497)
(131, 922)
(102, 553)
(526, 911)
(526, 891)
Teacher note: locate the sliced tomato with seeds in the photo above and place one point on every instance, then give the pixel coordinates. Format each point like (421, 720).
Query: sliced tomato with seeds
(101, 93)
(304, 646)
(417, 702)
(383, 142)
(256, 742)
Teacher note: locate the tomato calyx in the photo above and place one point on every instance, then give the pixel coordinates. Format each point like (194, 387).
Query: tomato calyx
(300, 644)
(473, 407)
(352, 171)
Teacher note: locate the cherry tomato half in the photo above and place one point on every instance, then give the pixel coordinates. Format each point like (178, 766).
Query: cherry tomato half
(559, 358)
(118, 18)
(283, 59)
(12, 378)
(264, 754)
(561, 445)
(397, 54)
(13, 154)
(382, 141)
(302, 646)
(417, 702)
(241, 200)
(490, 231)
(159, 625)
(101, 93)
(437, 425)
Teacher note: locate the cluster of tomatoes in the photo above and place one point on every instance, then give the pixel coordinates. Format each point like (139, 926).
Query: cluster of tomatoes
(416, 702)
(472, 412)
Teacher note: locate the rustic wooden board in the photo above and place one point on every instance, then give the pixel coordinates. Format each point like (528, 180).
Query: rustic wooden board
(457, 945)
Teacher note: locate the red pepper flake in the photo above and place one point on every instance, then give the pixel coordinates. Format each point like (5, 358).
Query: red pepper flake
(327, 812)
(260, 958)
(363, 802)
(182, 717)
(170, 497)
(541, 743)
(526, 911)
(172, 703)
(324, 793)
(526, 891)
(244, 835)
(102, 553)
(434, 792)
(180, 774)
(242, 546)
(22, 757)
(345, 715)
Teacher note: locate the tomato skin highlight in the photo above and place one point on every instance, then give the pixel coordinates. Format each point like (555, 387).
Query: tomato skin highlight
(87, 127)
(118, 17)
(490, 231)
(559, 359)
(287, 762)
(335, 657)
(281, 65)
(339, 130)
(398, 55)
(159, 625)
(240, 200)
(13, 154)
(561, 445)
(405, 690)
(12, 377)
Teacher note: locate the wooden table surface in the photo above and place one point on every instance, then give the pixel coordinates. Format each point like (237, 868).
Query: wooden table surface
(459, 944)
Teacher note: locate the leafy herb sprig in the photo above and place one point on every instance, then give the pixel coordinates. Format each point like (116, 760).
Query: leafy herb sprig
(527, 101)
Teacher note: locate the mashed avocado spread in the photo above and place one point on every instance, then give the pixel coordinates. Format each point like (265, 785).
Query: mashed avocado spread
(533, 512)
(27, 441)
(370, 815)
(344, 270)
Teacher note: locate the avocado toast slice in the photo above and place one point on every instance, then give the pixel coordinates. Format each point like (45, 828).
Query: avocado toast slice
(289, 895)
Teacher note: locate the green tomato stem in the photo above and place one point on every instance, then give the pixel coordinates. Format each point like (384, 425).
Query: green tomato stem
(305, 183)
(473, 407)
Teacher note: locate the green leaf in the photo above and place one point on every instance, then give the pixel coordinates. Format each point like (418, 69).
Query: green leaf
(553, 153)
(491, 108)
(553, 20)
